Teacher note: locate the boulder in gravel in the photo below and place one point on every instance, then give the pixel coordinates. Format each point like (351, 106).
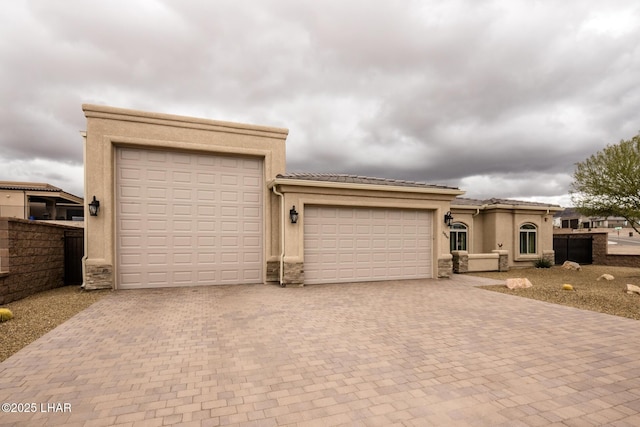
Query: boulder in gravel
(633, 289)
(570, 265)
(519, 283)
(605, 277)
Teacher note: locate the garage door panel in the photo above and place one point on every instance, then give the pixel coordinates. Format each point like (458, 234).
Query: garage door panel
(378, 243)
(363, 244)
(251, 275)
(181, 177)
(230, 276)
(252, 164)
(205, 211)
(155, 209)
(363, 258)
(373, 244)
(130, 208)
(250, 257)
(154, 193)
(251, 198)
(155, 224)
(206, 276)
(229, 211)
(328, 244)
(229, 163)
(187, 219)
(181, 211)
(131, 259)
(130, 224)
(251, 212)
(205, 177)
(333, 213)
(132, 191)
(183, 277)
(182, 194)
(156, 259)
(131, 277)
(251, 227)
(345, 257)
(343, 244)
(250, 181)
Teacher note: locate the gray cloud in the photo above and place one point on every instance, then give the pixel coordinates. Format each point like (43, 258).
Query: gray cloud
(500, 98)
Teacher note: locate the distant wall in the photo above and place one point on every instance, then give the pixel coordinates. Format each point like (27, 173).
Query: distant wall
(601, 255)
(31, 257)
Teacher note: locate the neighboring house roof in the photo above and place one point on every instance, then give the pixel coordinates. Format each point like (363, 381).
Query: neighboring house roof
(465, 202)
(572, 213)
(356, 179)
(33, 186)
(568, 212)
(37, 188)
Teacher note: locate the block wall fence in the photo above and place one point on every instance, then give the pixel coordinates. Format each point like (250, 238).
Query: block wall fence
(31, 257)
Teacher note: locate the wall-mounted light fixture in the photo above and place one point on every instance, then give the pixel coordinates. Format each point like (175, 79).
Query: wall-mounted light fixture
(448, 218)
(94, 207)
(293, 214)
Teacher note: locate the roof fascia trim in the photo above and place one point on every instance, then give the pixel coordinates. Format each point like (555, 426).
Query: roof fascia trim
(369, 187)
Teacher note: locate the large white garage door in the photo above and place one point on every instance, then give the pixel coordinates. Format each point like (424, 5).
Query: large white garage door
(187, 219)
(343, 244)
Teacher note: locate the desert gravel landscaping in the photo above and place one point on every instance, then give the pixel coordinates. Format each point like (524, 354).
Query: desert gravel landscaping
(589, 293)
(37, 314)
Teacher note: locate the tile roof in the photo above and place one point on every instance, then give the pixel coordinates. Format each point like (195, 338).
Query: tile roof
(356, 179)
(463, 201)
(28, 186)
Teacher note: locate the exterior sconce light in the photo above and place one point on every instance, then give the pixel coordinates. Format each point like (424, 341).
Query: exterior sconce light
(448, 218)
(94, 207)
(293, 214)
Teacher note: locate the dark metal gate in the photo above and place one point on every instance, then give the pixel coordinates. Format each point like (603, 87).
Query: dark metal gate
(73, 253)
(574, 248)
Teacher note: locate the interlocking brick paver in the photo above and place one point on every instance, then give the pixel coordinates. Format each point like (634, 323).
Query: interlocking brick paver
(431, 352)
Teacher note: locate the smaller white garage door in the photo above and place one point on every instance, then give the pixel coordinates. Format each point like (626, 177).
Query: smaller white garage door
(344, 244)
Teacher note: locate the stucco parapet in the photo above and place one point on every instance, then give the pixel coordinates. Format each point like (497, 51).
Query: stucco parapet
(126, 115)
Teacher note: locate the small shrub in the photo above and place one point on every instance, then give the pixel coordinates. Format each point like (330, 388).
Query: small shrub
(5, 314)
(543, 263)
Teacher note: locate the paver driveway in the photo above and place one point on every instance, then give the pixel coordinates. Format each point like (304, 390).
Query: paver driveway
(405, 353)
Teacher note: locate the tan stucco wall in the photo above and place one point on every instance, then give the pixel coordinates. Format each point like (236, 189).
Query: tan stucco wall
(435, 200)
(492, 226)
(108, 128)
(12, 204)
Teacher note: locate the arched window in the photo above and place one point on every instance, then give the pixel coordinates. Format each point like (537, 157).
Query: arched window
(458, 237)
(528, 238)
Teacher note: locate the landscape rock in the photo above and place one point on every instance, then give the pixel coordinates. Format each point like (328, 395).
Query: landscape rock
(605, 277)
(570, 265)
(633, 289)
(518, 283)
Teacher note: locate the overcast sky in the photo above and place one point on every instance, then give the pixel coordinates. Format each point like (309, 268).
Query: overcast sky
(499, 98)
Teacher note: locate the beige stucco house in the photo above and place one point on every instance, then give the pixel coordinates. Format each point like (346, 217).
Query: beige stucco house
(483, 230)
(186, 201)
(34, 200)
